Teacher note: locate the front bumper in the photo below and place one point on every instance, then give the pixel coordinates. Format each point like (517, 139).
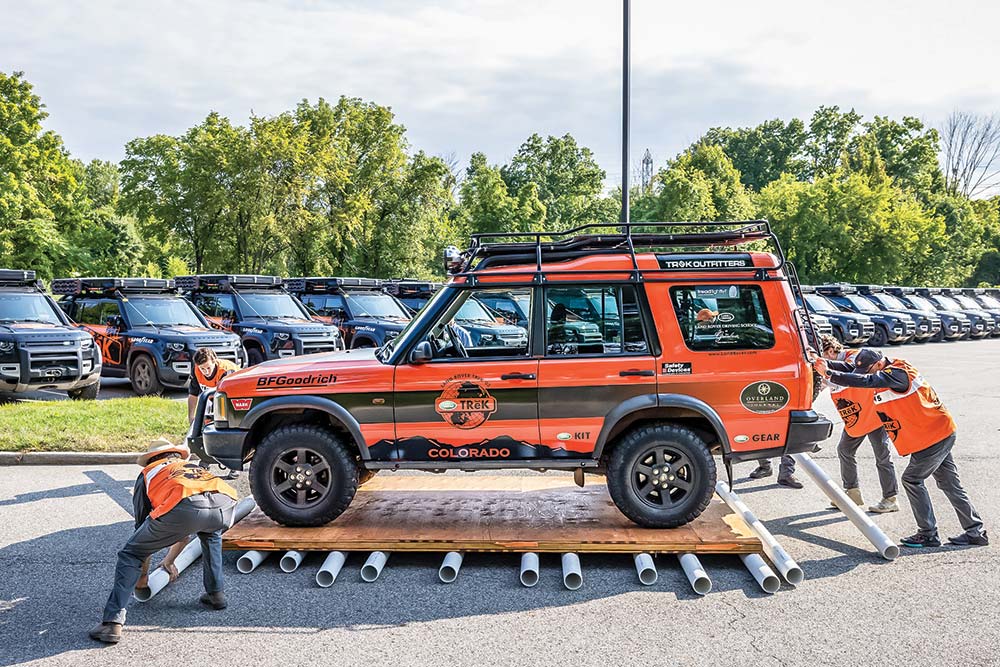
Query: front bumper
(39, 365)
(225, 445)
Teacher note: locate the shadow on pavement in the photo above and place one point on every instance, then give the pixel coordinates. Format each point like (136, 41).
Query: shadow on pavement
(101, 482)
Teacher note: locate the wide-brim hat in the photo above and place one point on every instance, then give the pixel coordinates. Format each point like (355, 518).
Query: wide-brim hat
(161, 446)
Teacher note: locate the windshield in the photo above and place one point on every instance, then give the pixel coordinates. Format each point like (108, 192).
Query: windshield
(259, 304)
(945, 302)
(890, 302)
(862, 304)
(989, 301)
(821, 304)
(27, 307)
(375, 305)
(162, 311)
(920, 303)
(382, 354)
(967, 302)
(473, 311)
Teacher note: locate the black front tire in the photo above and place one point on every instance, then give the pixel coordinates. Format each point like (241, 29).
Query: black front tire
(655, 456)
(88, 393)
(255, 356)
(880, 338)
(839, 335)
(291, 451)
(142, 374)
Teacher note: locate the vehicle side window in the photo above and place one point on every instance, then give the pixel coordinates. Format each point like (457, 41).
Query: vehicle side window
(318, 303)
(723, 317)
(470, 328)
(216, 305)
(593, 320)
(88, 311)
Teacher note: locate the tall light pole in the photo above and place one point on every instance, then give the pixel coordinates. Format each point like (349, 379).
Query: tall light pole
(626, 66)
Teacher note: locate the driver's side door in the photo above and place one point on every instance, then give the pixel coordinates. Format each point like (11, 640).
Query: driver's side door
(475, 402)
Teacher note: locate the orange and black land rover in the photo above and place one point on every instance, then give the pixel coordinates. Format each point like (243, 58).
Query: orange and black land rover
(649, 349)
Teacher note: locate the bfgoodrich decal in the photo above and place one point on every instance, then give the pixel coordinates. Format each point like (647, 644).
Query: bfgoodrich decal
(312, 380)
(764, 398)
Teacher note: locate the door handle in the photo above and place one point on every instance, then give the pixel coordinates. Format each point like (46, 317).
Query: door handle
(517, 376)
(636, 371)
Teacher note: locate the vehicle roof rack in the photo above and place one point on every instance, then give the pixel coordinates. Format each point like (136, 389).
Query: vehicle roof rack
(226, 282)
(972, 291)
(77, 286)
(498, 249)
(928, 291)
(807, 289)
(320, 284)
(18, 278)
(836, 289)
(897, 290)
(950, 291)
(869, 289)
(410, 286)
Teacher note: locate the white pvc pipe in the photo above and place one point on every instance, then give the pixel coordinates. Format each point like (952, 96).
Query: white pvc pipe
(373, 566)
(886, 547)
(448, 572)
(764, 575)
(159, 578)
(786, 565)
(529, 569)
(291, 561)
(696, 574)
(646, 569)
(249, 561)
(572, 574)
(330, 568)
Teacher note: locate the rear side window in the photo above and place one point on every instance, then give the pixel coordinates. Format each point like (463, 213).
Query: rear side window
(593, 320)
(723, 317)
(215, 305)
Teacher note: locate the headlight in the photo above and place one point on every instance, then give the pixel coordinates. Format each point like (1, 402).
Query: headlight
(487, 338)
(219, 405)
(7, 346)
(281, 336)
(175, 347)
(86, 343)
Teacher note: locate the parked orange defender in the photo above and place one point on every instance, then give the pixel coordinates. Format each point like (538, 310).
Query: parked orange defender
(650, 347)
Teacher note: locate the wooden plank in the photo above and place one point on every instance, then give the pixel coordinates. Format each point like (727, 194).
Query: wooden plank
(493, 514)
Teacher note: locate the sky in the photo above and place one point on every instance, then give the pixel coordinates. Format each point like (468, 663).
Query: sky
(466, 76)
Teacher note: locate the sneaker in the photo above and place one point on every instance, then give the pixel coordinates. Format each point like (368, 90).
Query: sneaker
(884, 506)
(109, 633)
(215, 600)
(789, 481)
(920, 541)
(966, 540)
(762, 471)
(855, 496)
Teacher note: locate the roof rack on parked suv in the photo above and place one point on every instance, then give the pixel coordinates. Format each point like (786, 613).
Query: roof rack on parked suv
(17, 278)
(76, 286)
(836, 289)
(226, 283)
(321, 284)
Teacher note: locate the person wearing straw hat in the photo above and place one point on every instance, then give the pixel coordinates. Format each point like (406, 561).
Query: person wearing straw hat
(173, 498)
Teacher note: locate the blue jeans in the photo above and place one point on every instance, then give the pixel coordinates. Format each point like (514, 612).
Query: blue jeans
(204, 515)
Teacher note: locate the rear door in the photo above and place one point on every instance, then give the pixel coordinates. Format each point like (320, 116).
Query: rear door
(596, 356)
(476, 400)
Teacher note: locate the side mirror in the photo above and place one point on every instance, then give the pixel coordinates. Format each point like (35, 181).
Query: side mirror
(422, 353)
(114, 321)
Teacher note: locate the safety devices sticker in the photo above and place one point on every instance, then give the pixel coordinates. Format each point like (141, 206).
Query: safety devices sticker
(676, 368)
(764, 398)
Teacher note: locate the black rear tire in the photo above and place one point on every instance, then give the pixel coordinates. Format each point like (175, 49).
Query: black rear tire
(88, 393)
(291, 456)
(655, 456)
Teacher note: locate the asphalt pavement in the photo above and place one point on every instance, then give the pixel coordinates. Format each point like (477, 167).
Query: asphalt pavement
(61, 527)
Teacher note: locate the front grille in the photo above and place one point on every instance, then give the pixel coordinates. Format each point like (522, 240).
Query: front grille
(317, 342)
(868, 329)
(910, 327)
(53, 366)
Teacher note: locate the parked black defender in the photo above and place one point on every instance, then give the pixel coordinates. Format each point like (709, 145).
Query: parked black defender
(954, 325)
(848, 328)
(982, 322)
(987, 300)
(39, 346)
(893, 328)
(928, 324)
(365, 315)
(414, 294)
(146, 331)
(969, 302)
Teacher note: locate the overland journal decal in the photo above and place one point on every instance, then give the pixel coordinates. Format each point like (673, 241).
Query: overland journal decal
(764, 398)
(465, 402)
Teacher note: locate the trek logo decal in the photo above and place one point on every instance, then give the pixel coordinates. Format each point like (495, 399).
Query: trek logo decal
(242, 403)
(316, 380)
(849, 411)
(676, 368)
(764, 398)
(890, 425)
(465, 402)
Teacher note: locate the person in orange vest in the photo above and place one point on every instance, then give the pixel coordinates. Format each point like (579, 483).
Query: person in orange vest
(920, 427)
(207, 374)
(173, 498)
(860, 421)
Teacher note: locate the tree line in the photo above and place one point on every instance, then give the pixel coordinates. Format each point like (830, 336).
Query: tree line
(334, 188)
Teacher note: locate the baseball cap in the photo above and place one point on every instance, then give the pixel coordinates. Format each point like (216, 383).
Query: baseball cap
(865, 359)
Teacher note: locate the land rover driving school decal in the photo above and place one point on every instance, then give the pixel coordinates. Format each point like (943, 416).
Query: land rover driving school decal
(764, 398)
(465, 401)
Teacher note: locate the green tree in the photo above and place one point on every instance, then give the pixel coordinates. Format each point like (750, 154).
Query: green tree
(762, 154)
(487, 205)
(700, 184)
(909, 151)
(830, 132)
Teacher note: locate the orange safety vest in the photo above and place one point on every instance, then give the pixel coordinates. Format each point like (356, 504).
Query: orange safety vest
(915, 419)
(222, 368)
(855, 405)
(170, 481)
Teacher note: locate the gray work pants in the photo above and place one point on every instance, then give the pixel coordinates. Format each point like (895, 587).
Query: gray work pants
(936, 461)
(786, 468)
(848, 447)
(206, 515)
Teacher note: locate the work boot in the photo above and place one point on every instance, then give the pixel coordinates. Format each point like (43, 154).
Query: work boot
(789, 481)
(884, 506)
(763, 470)
(920, 541)
(215, 600)
(109, 633)
(966, 540)
(855, 495)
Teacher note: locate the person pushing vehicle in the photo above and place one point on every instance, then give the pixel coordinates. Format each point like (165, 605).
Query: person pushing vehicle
(173, 498)
(208, 373)
(920, 427)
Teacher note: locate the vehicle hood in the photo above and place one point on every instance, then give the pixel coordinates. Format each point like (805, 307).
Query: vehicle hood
(387, 323)
(289, 325)
(331, 372)
(40, 328)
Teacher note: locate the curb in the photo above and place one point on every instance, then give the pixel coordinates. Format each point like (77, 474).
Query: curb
(66, 458)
